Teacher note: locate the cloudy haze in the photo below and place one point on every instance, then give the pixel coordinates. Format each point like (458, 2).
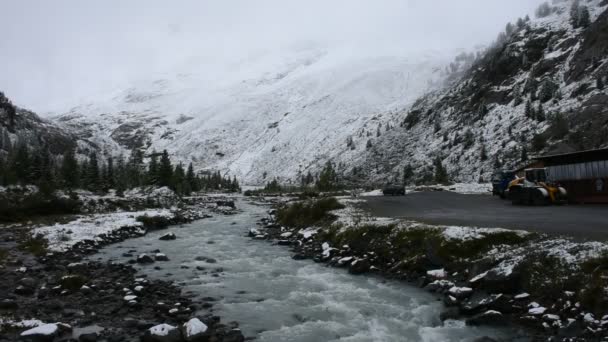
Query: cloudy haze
(55, 52)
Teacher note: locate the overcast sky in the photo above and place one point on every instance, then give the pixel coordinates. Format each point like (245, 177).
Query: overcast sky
(53, 52)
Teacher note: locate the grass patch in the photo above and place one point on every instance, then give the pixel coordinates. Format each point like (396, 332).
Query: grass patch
(36, 245)
(453, 250)
(594, 281)
(17, 208)
(309, 213)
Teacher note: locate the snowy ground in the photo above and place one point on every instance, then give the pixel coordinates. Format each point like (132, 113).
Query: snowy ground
(461, 188)
(568, 252)
(62, 236)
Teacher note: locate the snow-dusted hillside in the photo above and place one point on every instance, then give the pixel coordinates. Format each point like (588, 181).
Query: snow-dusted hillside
(269, 115)
(480, 122)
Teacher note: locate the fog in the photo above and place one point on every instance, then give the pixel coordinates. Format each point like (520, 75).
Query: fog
(53, 53)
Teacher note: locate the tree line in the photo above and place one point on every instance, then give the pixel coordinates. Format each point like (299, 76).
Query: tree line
(21, 164)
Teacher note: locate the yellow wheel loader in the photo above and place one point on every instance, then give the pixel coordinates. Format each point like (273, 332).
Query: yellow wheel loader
(534, 189)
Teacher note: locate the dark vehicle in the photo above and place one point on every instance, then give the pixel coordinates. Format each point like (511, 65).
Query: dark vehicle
(393, 190)
(500, 182)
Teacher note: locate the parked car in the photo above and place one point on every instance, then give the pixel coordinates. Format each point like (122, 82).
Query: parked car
(394, 190)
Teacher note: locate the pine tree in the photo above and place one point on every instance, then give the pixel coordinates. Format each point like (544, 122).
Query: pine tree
(69, 170)
(529, 111)
(46, 182)
(92, 176)
(327, 178)
(110, 178)
(153, 175)
(178, 180)
(134, 169)
(540, 113)
(165, 170)
(408, 173)
(584, 19)
(599, 82)
(441, 175)
(524, 154)
(484, 154)
(21, 164)
(574, 13)
(191, 178)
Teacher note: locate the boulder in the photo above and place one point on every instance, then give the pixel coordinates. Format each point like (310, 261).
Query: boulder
(195, 331)
(24, 291)
(490, 317)
(162, 333)
(45, 332)
(144, 259)
(168, 236)
(359, 266)
(161, 257)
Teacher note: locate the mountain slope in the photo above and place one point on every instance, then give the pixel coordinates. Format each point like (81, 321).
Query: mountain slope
(481, 122)
(267, 118)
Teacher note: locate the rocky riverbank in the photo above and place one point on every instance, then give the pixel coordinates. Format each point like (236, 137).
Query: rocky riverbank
(485, 276)
(46, 279)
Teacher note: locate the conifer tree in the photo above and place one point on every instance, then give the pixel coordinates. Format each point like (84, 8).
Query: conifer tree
(574, 13)
(69, 170)
(153, 176)
(92, 174)
(599, 82)
(584, 19)
(540, 113)
(165, 170)
(441, 174)
(191, 178)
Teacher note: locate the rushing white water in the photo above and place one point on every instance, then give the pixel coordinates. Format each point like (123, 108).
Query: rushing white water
(277, 298)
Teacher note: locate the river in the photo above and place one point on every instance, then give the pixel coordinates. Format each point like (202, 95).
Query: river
(277, 298)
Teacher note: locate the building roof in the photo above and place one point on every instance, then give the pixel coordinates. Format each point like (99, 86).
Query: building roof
(574, 157)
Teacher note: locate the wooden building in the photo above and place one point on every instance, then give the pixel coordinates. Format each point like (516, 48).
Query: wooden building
(583, 174)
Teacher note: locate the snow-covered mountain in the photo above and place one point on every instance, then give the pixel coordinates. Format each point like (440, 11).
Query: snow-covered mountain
(267, 117)
(481, 123)
(281, 115)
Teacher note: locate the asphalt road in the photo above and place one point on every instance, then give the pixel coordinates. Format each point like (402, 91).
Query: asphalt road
(449, 208)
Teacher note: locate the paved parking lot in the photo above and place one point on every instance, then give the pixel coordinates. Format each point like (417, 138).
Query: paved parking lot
(449, 208)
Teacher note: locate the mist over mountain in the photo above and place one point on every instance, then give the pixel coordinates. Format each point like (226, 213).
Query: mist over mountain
(276, 90)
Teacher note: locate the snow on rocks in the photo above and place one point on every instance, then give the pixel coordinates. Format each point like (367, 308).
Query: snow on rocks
(437, 274)
(308, 232)
(194, 330)
(536, 311)
(460, 292)
(144, 259)
(162, 333)
(168, 236)
(61, 237)
(45, 332)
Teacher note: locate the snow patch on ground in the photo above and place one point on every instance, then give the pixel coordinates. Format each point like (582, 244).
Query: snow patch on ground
(63, 236)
